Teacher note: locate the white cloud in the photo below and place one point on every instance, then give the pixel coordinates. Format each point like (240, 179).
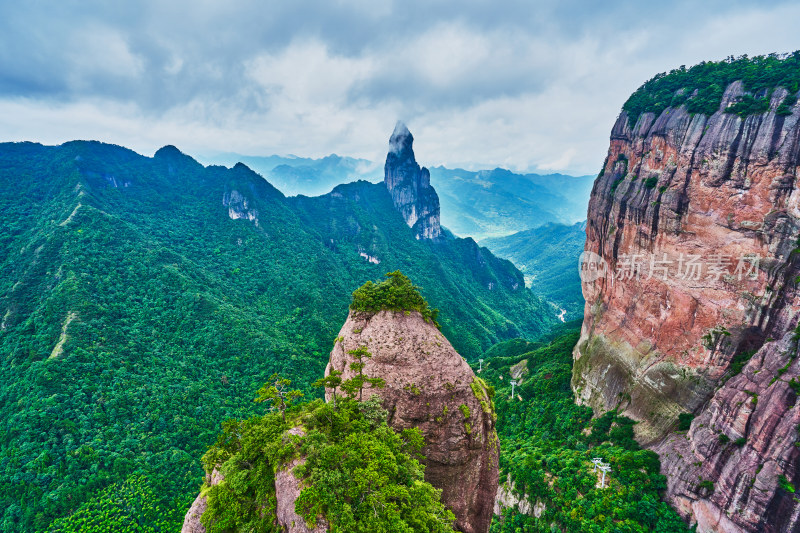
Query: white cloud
(480, 85)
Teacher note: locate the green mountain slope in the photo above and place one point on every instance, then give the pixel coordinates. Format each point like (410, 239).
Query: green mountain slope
(548, 256)
(138, 312)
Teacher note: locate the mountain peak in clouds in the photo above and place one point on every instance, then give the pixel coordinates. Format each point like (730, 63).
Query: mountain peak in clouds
(401, 139)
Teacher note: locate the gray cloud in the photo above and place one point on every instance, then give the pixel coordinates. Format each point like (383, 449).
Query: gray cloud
(526, 85)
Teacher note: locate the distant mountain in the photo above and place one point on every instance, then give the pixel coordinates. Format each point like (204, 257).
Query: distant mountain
(548, 256)
(495, 203)
(478, 204)
(143, 300)
(302, 175)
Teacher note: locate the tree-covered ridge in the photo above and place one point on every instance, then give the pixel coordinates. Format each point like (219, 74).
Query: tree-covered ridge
(396, 293)
(358, 474)
(172, 314)
(700, 88)
(548, 443)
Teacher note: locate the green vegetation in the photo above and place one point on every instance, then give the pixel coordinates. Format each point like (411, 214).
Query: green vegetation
(738, 362)
(358, 473)
(700, 88)
(548, 442)
(397, 293)
(132, 505)
(685, 421)
(357, 383)
(173, 314)
(705, 485)
(784, 483)
(277, 391)
(548, 257)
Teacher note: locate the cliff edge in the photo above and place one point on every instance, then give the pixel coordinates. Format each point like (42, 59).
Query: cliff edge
(690, 279)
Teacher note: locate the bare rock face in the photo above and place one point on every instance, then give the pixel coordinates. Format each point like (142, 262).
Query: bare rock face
(430, 386)
(719, 194)
(410, 186)
(287, 490)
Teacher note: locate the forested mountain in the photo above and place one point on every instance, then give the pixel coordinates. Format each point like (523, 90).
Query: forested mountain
(145, 300)
(548, 444)
(478, 204)
(548, 256)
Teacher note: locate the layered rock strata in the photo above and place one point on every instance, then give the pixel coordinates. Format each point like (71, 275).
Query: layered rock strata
(692, 240)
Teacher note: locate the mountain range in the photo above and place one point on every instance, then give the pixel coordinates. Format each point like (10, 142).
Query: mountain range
(478, 204)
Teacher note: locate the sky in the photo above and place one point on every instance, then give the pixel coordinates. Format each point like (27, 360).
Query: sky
(526, 85)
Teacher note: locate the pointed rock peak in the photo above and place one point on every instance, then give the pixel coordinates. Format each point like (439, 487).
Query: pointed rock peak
(410, 186)
(401, 138)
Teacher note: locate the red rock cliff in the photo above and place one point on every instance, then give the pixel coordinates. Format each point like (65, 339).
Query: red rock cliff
(707, 207)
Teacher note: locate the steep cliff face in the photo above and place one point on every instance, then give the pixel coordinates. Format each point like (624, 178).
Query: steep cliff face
(694, 222)
(410, 186)
(431, 387)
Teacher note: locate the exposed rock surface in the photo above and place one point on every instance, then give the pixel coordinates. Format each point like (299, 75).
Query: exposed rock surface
(430, 386)
(721, 188)
(287, 490)
(410, 186)
(191, 522)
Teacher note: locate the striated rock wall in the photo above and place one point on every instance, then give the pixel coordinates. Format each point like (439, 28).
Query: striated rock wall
(410, 186)
(707, 208)
(430, 386)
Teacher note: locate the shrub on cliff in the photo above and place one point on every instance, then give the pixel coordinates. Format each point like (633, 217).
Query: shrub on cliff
(396, 293)
(359, 474)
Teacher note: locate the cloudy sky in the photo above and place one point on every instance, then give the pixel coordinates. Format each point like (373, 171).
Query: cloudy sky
(526, 85)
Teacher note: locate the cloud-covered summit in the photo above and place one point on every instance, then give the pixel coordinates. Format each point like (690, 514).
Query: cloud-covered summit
(521, 85)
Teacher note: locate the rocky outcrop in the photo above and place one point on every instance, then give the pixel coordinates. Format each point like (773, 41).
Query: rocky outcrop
(191, 522)
(693, 225)
(287, 490)
(431, 387)
(410, 186)
(239, 206)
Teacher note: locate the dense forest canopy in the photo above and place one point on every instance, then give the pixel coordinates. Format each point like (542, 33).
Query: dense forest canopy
(700, 88)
